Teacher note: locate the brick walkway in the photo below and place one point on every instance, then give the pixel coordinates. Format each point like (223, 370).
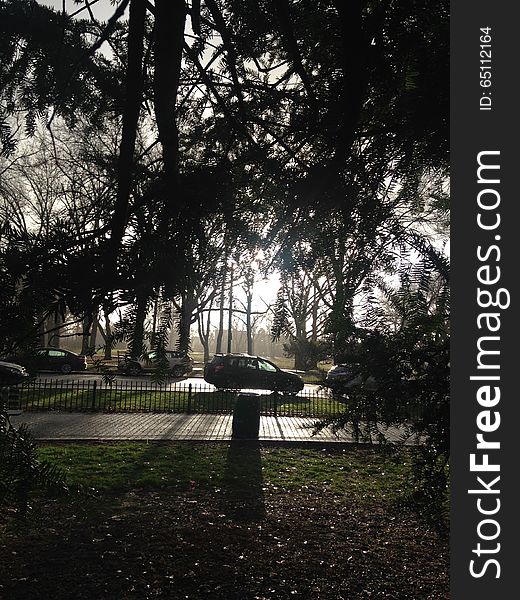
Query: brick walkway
(168, 426)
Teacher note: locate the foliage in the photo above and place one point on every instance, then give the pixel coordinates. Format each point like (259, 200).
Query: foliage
(406, 351)
(21, 471)
(299, 316)
(279, 143)
(310, 352)
(51, 206)
(45, 65)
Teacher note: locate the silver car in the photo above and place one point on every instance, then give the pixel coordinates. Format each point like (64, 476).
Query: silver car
(179, 363)
(348, 377)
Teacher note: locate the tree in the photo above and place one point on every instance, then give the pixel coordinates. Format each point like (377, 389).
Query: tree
(47, 64)
(409, 358)
(300, 317)
(249, 268)
(306, 125)
(57, 199)
(312, 117)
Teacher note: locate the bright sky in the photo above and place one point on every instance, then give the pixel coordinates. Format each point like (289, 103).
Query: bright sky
(102, 9)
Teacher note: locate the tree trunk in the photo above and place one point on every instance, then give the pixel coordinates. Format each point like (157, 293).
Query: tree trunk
(315, 303)
(85, 333)
(108, 338)
(132, 108)
(205, 347)
(249, 325)
(204, 330)
(354, 78)
(338, 313)
(154, 320)
(204, 340)
(95, 325)
(170, 16)
(189, 303)
(137, 341)
(230, 313)
(305, 357)
(300, 360)
(52, 323)
(42, 328)
(106, 334)
(220, 334)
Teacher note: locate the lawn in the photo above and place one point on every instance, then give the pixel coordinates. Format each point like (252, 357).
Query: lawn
(224, 521)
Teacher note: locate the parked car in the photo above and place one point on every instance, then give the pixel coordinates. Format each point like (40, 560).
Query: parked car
(241, 371)
(178, 362)
(11, 373)
(348, 376)
(51, 359)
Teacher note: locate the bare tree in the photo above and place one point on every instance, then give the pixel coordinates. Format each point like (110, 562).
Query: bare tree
(301, 317)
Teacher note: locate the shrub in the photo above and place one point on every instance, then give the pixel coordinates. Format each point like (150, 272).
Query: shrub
(21, 472)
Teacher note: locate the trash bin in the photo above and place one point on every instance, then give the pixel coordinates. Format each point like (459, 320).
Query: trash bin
(246, 417)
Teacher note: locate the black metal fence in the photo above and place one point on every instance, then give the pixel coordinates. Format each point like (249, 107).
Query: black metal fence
(128, 396)
(145, 396)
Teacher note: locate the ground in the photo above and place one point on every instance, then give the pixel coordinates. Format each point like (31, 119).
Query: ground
(242, 522)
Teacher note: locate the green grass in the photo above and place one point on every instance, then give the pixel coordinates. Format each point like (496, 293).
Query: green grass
(118, 467)
(224, 521)
(353, 471)
(109, 399)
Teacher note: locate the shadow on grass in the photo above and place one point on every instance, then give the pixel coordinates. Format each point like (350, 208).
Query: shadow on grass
(151, 534)
(242, 491)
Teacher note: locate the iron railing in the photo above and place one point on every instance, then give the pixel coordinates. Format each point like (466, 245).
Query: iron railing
(90, 395)
(128, 396)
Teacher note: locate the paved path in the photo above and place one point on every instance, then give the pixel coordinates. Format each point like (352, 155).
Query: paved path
(168, 426)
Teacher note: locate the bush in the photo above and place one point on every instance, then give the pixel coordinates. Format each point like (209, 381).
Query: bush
(20, 470)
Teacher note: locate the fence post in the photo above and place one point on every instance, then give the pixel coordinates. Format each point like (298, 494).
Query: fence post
(94, 389)
(275, 399)
(189, 398)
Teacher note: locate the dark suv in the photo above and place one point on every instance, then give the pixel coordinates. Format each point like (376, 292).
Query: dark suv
(239, 371)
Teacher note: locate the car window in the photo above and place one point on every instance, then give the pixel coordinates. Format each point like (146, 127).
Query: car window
(265, 366)
(242, 362)
(56, 353)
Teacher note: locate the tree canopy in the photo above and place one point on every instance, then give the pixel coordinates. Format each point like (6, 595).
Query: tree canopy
(318, 122)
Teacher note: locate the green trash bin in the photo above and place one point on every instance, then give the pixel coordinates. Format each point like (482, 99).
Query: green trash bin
(246, 417)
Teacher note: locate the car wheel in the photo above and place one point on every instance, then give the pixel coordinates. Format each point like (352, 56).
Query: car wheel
(133, 370)
(290, 392)
(178, 371)
(65, 368)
